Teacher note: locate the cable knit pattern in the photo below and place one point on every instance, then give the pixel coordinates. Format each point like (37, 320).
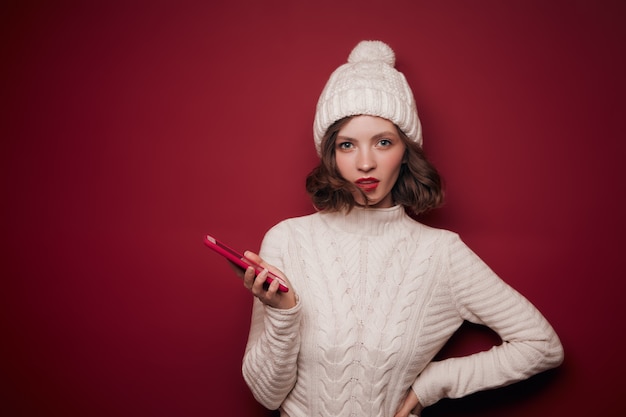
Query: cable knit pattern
(379, 295)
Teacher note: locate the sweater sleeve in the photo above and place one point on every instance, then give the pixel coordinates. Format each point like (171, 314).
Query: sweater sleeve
(529, 344)
(270, 359)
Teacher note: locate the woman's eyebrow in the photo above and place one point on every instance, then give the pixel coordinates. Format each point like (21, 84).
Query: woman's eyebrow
(376, 136)
(382, 134)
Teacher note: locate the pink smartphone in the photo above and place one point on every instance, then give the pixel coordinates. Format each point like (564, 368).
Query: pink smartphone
(239, 260)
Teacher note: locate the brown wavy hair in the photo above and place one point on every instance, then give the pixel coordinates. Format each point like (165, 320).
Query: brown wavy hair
(419, 187)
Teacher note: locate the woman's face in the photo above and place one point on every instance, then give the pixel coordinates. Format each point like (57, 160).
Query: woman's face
(369, 153)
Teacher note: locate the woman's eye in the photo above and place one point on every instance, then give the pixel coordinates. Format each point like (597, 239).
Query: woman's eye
(384, 142)
(344, 145)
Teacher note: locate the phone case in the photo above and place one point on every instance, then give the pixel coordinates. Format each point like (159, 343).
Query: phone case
(239, 260)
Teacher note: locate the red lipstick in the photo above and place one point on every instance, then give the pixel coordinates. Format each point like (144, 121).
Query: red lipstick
(367, 184)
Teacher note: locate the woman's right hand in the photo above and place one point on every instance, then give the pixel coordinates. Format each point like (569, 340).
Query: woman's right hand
(269, 295)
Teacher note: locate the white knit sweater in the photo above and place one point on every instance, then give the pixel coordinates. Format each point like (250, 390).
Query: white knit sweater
(379, 295)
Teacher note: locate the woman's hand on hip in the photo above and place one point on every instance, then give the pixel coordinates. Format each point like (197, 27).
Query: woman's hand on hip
(410, 406)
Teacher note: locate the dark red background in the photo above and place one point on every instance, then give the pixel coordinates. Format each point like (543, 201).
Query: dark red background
(130, 129)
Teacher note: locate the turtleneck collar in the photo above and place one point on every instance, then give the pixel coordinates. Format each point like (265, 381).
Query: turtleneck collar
(368, 221)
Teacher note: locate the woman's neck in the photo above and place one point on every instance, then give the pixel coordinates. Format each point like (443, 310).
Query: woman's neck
(368, 221)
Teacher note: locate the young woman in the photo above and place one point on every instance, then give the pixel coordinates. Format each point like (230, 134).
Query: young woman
(374, 293)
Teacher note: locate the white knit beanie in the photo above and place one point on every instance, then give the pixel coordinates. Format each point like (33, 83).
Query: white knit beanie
(370, 85)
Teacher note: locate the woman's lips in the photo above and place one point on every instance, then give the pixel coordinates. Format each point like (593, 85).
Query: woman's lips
(367, 184)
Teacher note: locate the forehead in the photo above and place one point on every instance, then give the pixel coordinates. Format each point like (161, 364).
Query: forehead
(366, 126)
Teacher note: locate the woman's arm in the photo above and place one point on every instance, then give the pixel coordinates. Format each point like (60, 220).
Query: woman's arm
(270, 360)
(269, 364)
(530, 345)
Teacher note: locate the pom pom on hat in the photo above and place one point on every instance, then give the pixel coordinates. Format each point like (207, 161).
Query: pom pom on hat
(368, 84)
(372, 51)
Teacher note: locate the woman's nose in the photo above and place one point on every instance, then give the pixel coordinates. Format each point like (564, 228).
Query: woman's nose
(366, 161)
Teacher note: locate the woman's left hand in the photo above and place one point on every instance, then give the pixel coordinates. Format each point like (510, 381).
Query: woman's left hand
(410, 406)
